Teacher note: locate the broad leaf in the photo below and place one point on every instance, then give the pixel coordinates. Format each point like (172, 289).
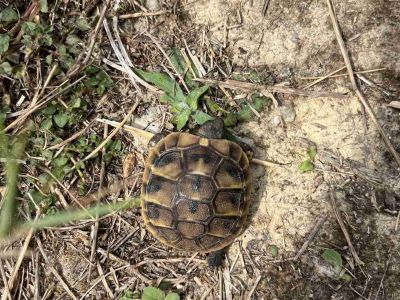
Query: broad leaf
(274, 250)
(61, 119)
(201, 117)
(177, 107)
(44, 8)
(82, 24)
(181, 66)
(4, 43)
(306, 166)
(247, 114)
(181, 119)
(152, 293)
(29, 28)
(194, 96)
(163, 82)
(172, 296)
(5, 68)
(312, 152)
(333, 258)
(46, 124)
(213, 106)
(231, 119)
(8, 15)
(177, 60)
(165, 98)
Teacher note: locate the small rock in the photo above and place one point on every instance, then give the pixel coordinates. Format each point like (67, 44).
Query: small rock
(276, 120)
(153, 5)
(287, 113)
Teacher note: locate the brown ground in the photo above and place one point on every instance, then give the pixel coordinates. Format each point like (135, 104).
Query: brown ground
(293, 41)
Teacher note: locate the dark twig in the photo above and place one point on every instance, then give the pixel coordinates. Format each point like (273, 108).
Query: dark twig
(344, 229)
(265, 7)
(311, 237)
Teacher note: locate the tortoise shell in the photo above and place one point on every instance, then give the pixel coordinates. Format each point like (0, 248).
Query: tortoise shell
(196, 192)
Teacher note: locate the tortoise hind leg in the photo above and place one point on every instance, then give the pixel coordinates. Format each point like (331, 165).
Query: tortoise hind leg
(215, 259)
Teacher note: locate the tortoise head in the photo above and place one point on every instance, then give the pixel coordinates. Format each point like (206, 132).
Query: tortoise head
(213, 129)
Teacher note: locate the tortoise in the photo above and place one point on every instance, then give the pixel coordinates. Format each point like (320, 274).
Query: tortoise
(196, 190)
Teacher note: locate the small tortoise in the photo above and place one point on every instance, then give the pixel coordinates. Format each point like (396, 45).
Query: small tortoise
(196, 190)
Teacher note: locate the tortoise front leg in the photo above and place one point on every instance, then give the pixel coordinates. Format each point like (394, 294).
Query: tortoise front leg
(155, 139)
(215, 259)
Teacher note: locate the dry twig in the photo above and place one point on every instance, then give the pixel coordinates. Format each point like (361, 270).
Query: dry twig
(114, 132)
(142, 14)
(248, 86)
(310, 238)
(360, 96)
(344, 229)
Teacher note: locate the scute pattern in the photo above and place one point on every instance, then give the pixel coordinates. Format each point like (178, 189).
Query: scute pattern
(196, 187)
(195, 192)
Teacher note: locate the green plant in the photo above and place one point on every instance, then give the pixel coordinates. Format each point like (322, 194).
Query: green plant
(334, 258)
(35, 36)
(153, 293)
(182, 106)
(246, 111)
(308, 164)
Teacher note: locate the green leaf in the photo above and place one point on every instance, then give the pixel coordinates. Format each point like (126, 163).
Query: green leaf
(274, 250)
(306, 166)
(181, 119)
(333, 258)
(76, 103)
(92, 70)
(152, 293)
(92, 82)
(5, 68)
(72, 39)
(177, 107)
(181, 66)
(82, 24)
(346, 277)
(61, 119)
(49, 59)
(165, 98)
(66, 61)
(43, 6)
(172, 296)
(193, 98)
(8, 15)
(177, 60)
(46, 124)
(163, 82)
(201, 117)
(101, 89)
(231, 119)
(47, 40)
(60, 161)
(246, 113)
(312, 152)
(212, 105)
(49, 110)
(4, 43)
(29, 28)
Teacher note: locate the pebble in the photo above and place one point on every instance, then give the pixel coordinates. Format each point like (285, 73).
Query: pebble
(287, 113)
